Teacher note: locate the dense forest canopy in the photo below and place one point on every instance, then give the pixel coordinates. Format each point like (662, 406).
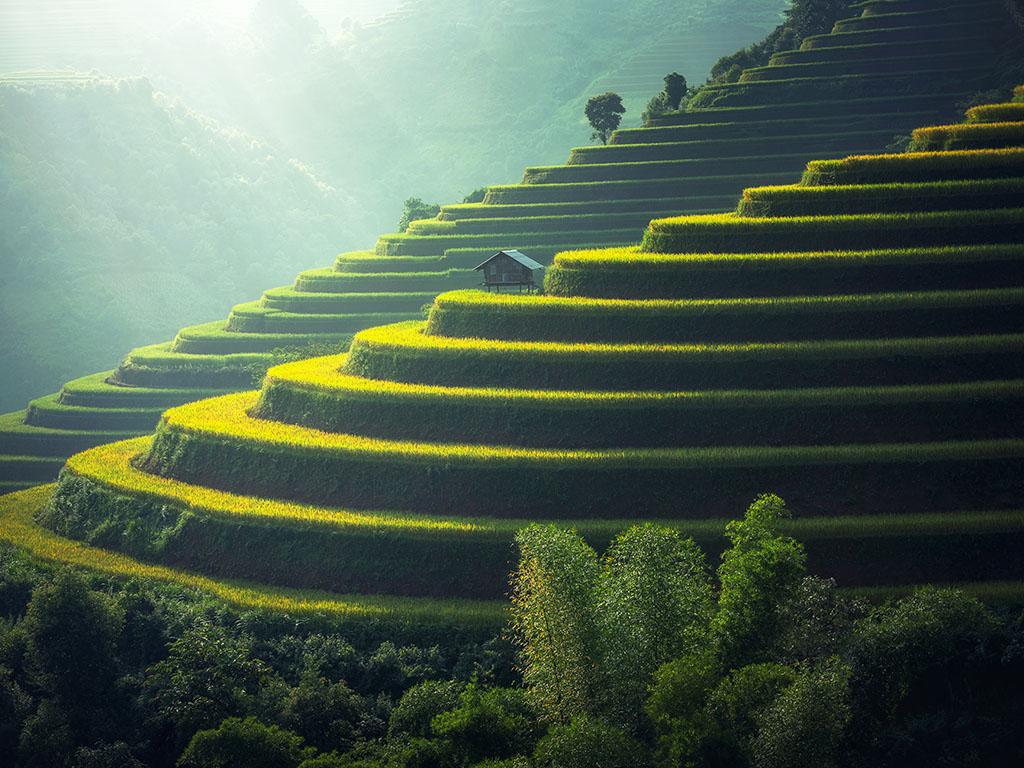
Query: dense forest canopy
(645, 657)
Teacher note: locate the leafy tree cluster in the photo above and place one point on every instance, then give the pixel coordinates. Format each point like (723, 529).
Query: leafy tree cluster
(414, 209)
(803, 19)
(669, 99)
(94, 673)
(642, 656)
(761, 666)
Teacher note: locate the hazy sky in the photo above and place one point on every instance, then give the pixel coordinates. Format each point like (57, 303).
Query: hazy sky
(45, 33)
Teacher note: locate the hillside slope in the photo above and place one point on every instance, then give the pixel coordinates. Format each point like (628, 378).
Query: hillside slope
(696, 161)
(851, 342)
(124, 213)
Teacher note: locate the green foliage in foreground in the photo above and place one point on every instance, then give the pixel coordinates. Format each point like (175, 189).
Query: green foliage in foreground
(641, 658)
(773, 668)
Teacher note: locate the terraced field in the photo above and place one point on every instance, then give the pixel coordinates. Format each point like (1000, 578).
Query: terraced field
(840, 360)
(847, 92)
(640, 76)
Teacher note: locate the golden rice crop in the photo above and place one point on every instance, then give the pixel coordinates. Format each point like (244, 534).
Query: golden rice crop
(110, 466)
(16, 512)
(512, 304)
(727, 222)
(18, 528)
(409, 337)
(323, 374)
(969, 132)
(226, 418)
(635, 259)
(965, 158)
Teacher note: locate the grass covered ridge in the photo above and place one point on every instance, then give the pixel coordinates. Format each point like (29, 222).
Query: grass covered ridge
(17, 510)
(314, 394)
(916, 166)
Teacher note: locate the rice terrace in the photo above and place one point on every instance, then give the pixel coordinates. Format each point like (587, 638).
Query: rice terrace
(701, 449)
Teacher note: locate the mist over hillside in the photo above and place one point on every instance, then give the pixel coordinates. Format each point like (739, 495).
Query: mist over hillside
(124, 213)
(264, 138)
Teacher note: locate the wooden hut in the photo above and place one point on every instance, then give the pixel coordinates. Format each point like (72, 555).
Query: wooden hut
(511, 268)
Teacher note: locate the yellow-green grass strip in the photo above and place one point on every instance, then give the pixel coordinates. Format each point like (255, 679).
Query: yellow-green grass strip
(14, 424)
(729, 222)
(322, 374)
(162, 356)
(795, 89)
(214, 339)
(291, 297)
(724, 146)
(594, 223)
(18, 528)
(481, 211)
(869, 51)
(996, 113)
(741, 129)
(968, 134)
(892, 65)
(215, 331)
(160, 366)
(324, 280)
(385, 264)
(663, 169)
(510, 306)
(428, 245)
(813, 108)
(110, 467)
(95, 390)
(409, 336)
(17, 437)
(52, 404)
(633, 258)
(717, 184)
(901, 19)
(732, 232)
(226, 419)
(430, 227)
(892, 190)
(263, 320)
(911, 166)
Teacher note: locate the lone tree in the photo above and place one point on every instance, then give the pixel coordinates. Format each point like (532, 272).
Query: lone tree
(604, 113)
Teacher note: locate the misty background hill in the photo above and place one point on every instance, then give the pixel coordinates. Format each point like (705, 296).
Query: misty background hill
(217, 148)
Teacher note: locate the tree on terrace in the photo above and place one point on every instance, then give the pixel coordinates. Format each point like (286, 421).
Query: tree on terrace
(604, 113)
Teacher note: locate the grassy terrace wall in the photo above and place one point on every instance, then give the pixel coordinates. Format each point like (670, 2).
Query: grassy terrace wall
(629, 273)
(879, 390)
(694, 162)
(657, 382)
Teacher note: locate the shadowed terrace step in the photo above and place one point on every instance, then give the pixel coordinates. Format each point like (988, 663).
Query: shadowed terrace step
(215, 444)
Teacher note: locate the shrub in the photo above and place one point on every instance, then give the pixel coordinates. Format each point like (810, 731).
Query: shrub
(244, 743)
(414, 209)
(588, 743)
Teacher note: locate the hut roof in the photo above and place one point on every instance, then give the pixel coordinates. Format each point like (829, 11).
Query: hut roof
(522, 258)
